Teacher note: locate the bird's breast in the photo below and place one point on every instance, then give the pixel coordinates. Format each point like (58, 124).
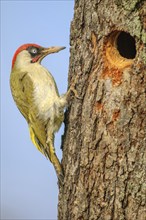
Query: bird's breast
(45, 103)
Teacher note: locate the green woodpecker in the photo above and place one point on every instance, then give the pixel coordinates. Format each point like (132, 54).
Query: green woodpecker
(36, 95)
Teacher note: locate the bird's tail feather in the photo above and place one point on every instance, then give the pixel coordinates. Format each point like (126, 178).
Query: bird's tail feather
(35, 140)
(56, 163)
(49, 152)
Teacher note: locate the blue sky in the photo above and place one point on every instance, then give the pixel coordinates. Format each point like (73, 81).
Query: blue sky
(28, 181)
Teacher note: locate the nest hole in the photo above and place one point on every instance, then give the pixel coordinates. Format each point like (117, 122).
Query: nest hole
(126, 45)
(120, 49)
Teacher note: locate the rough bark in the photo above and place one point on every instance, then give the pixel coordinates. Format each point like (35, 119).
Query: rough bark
(103, 144)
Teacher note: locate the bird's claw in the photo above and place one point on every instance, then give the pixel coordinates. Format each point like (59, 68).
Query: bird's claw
(72, 88)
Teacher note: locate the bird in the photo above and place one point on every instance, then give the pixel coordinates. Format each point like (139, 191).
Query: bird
(36, 95)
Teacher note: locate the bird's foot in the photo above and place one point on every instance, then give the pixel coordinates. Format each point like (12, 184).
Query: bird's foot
(72, 89)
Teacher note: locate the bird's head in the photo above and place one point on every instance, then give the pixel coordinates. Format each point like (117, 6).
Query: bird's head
(32, 53)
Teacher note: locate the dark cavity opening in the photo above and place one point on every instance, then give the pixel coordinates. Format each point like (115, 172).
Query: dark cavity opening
(126, 45)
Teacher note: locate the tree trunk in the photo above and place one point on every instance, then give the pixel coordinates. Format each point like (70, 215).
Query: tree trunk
(103, 144)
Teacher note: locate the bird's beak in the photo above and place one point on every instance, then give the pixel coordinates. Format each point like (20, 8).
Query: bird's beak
(47, 51)
(50, 50)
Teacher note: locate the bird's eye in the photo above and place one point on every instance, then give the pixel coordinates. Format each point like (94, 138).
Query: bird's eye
(34, 51)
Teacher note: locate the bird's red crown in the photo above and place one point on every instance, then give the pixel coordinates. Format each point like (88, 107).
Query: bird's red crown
(21, 48)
